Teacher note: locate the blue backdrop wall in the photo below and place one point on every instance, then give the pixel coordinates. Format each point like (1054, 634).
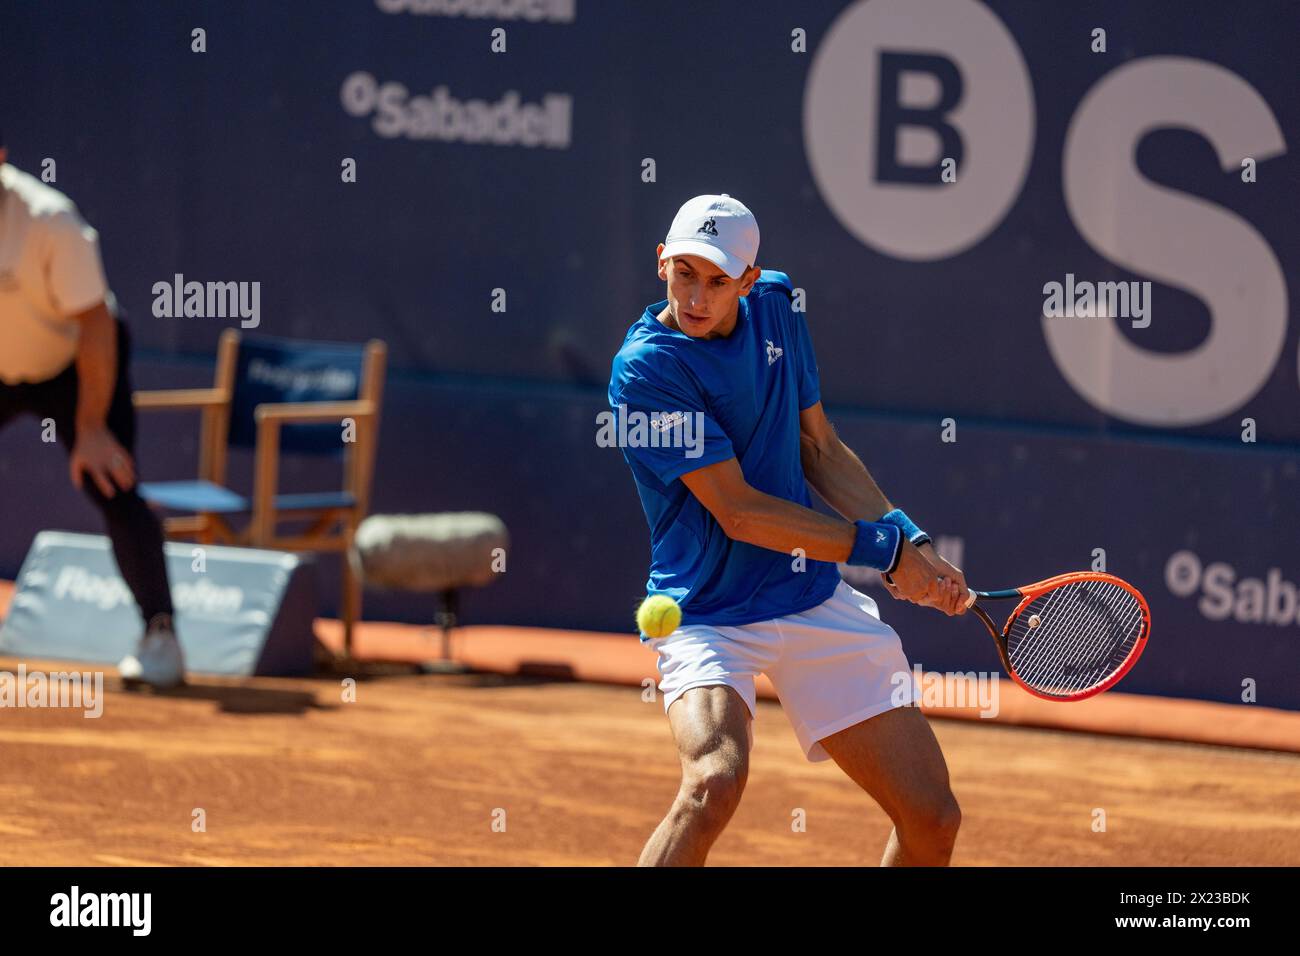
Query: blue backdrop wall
(1168, 157)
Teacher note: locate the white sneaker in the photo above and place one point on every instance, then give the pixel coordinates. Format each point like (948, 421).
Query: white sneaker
(158, 660)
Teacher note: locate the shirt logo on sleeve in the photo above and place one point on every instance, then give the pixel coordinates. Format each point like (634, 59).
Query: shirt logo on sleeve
(774, 352)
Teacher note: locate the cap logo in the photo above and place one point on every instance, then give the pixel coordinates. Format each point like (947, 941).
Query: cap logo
(708, 228)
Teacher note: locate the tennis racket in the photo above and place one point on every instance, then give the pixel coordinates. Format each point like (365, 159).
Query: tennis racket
(1070, 637)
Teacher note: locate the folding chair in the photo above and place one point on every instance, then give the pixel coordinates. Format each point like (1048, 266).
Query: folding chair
(274, 395)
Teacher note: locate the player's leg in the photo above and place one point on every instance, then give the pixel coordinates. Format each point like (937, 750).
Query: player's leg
(712, 728)
(843, 680)
(708, 686)
(895, 758)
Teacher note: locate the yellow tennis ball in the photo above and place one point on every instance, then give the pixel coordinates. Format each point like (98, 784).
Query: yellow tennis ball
(658, 616)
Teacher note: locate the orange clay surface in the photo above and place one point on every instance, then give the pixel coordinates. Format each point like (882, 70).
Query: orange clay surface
(418, 768)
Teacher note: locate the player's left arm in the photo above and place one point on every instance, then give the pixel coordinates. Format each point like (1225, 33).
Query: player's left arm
(837, 474)
(844, 482)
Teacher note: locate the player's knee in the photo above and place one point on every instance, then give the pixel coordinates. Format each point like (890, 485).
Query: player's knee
(937, 818)
(950, 820)
(713, 791)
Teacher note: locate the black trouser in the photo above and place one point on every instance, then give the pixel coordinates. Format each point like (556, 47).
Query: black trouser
(134, 529)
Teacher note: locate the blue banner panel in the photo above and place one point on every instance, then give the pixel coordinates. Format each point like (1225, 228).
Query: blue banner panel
(239, 611)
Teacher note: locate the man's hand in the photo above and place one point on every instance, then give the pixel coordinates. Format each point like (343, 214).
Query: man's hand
(924, 578)
(96, 451)
(953, 583)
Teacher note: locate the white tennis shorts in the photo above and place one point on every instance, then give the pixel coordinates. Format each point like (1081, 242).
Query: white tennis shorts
(833, 666)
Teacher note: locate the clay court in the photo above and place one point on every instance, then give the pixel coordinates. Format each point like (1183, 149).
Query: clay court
(413, 772)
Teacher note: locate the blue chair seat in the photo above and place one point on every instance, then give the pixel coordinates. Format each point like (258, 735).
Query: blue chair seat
(192, 496)
(197, 496)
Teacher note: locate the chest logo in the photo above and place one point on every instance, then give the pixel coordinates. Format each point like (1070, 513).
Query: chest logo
(774, 352)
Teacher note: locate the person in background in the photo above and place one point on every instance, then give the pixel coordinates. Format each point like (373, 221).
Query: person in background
(64, 356)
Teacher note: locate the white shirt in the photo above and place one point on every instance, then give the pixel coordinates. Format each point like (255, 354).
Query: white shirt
(50, 271)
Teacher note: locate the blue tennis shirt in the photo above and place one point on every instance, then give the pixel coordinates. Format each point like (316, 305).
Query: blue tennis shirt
(684, 403)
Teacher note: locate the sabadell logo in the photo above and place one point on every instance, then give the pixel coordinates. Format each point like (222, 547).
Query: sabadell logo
(441, 116)
(1223, 595)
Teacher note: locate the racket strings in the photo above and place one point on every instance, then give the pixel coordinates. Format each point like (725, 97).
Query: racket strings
(1051, 663)
(1033, 655)
(1085, 632)
(1094, 634)
(1063, 654)
(1086, 640)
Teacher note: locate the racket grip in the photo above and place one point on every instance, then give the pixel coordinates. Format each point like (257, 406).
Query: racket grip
(970, 597)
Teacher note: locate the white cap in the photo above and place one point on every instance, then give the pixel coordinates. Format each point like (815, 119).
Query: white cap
(718, 228)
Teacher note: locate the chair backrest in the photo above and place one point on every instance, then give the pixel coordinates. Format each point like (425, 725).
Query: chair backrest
(287, 370)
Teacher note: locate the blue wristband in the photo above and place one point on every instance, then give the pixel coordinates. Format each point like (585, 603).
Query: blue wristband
(876, 546)
(900, 520)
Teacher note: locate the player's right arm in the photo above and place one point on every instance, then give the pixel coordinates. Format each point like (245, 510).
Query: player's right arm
(650, 383)
(746, 514)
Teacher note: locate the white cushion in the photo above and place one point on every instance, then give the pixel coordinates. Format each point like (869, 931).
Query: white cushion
(429, 552)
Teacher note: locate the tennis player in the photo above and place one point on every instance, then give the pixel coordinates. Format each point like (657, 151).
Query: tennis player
(64, 356)
(724, 371)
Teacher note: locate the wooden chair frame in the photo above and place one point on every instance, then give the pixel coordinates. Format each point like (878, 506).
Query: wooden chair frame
(332, 529)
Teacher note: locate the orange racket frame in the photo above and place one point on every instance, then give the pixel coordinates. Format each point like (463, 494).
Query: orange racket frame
(1031, 592)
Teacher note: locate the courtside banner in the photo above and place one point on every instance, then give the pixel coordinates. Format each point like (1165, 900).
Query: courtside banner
(239, 611)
